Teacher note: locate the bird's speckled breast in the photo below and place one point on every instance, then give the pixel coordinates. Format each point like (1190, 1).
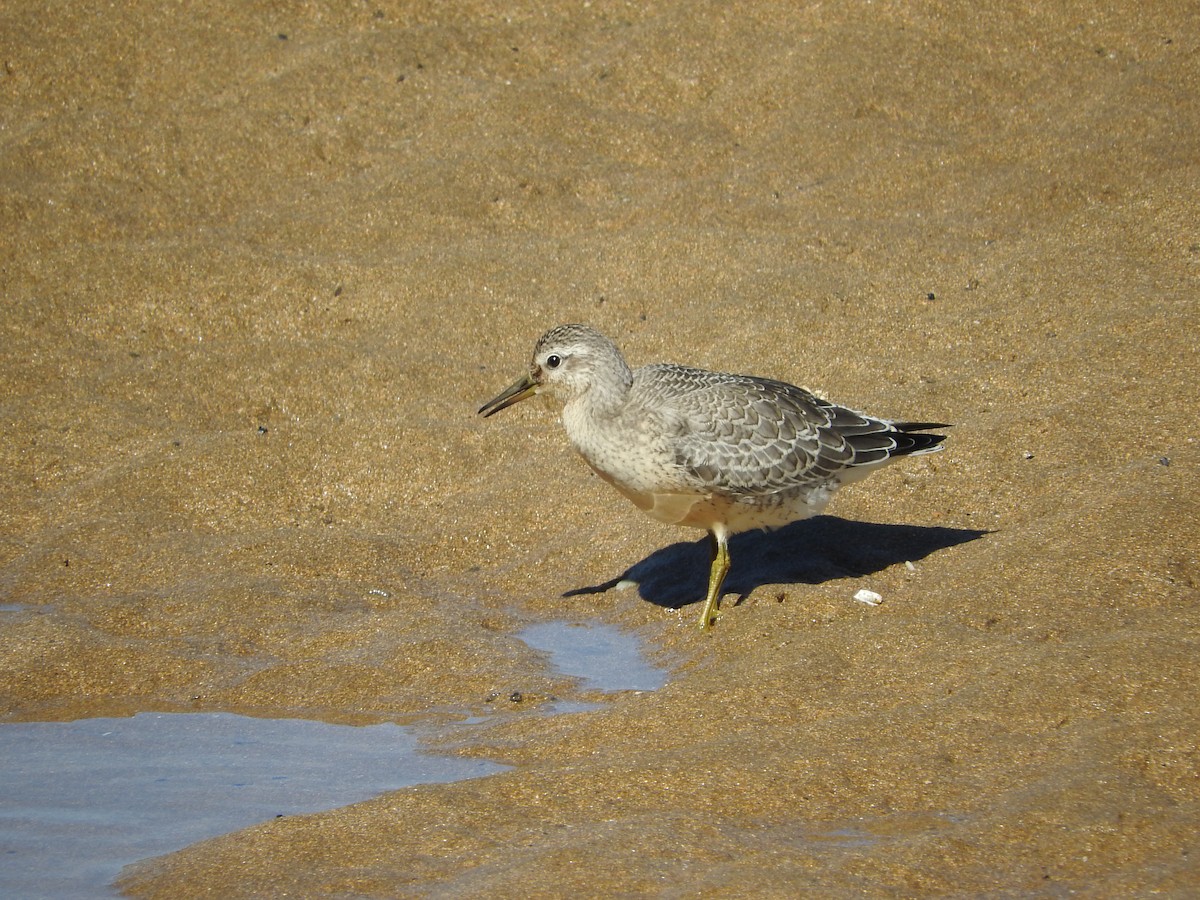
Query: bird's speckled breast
(631, 449)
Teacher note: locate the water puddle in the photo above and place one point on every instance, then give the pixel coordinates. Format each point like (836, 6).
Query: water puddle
(79, 800)
(603, 657)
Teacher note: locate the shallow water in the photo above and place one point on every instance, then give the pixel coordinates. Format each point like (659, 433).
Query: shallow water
(603, 657)
(80, 800)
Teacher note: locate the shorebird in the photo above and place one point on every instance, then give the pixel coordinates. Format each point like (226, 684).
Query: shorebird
(726, 453)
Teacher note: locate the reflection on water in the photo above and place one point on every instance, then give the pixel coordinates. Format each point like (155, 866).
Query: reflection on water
(82, 799)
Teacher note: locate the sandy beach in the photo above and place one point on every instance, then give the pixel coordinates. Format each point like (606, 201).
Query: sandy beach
(263, 262)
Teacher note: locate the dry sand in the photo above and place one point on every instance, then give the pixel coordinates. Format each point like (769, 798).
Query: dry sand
(261, 263)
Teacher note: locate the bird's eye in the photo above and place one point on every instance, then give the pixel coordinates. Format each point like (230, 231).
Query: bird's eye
(553, 361)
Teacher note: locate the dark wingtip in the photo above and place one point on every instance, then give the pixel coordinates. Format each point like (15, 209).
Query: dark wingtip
(919, 426)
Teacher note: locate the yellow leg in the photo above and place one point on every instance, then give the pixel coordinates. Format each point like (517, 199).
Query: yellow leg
(716, 577)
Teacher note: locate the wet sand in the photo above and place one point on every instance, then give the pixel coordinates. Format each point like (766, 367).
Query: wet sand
(261, 265)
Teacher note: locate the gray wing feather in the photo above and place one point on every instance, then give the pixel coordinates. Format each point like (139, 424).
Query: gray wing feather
(752, 436)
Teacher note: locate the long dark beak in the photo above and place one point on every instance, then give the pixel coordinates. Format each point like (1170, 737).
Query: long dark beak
(519, 390)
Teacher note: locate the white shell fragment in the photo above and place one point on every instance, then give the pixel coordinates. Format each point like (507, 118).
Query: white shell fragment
(868, 597)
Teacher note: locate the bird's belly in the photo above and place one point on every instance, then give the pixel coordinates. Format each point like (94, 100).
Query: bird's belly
(776, 511)
(735, 513)
(761, 511)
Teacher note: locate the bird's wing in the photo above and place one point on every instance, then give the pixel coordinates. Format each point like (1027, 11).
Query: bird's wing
(752, 436)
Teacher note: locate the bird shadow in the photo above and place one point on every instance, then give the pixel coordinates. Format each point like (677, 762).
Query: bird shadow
(807, 552)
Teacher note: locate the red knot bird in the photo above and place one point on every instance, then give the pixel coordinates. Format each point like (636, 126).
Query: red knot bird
(726, 453)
